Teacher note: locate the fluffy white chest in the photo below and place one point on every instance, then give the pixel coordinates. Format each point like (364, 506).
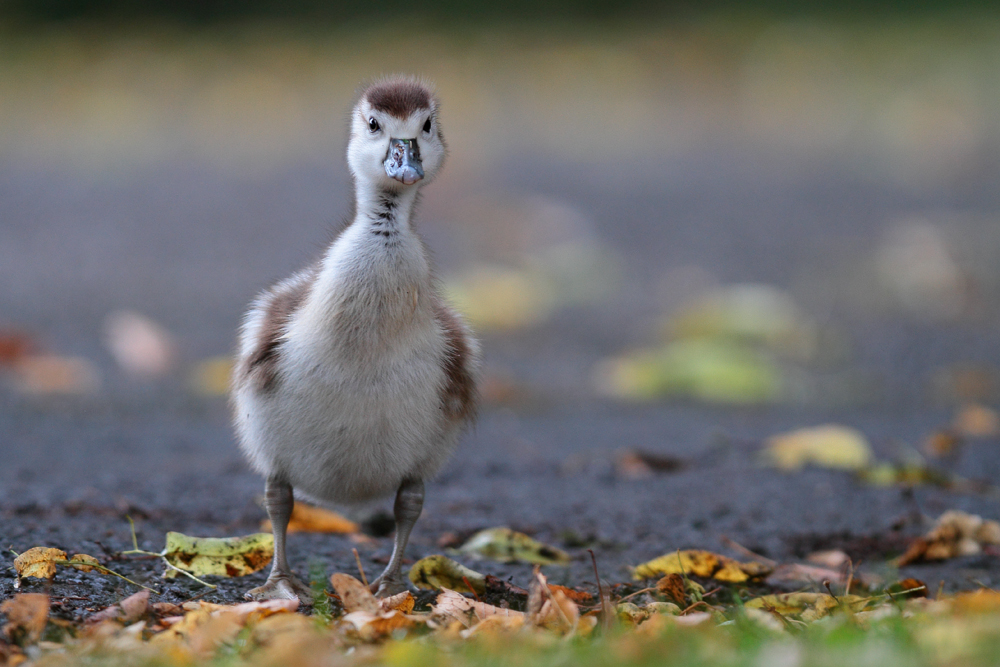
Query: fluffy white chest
(357, 405)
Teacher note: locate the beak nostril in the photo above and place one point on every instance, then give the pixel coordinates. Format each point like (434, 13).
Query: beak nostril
(402, 162)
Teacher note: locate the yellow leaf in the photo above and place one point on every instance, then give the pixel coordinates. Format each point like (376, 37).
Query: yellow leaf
(222, 556)
(437, 572)
(703, 564)
(210, 377)
(810, 606)
(507, 546)
(83, 562)
(311, 519)
(38, 562)
(829, 446)
(500, 298)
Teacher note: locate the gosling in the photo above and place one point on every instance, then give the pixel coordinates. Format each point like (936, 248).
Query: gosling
(355, 379)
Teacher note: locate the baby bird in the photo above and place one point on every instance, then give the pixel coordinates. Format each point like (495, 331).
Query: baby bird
(354, 377)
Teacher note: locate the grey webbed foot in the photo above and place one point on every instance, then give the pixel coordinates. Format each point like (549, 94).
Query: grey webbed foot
(384, 587)
(282, 587)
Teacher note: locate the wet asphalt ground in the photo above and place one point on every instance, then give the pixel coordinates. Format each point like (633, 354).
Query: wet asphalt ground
(189, 246)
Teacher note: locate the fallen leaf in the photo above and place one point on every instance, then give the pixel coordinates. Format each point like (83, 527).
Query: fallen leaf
(756, 313)
(714, 371)
(954, 534)
(703, 564)
(494, 298)
(579, 597)
(14, 346)
(222, 556)
(507, 546)
(53, 374)
(312, 519)
(977, 421)
(211, 377)
(829, 446)
(354, 595)
(38, 562)
(982, 601)
(437, 572)
(797, 573)
(401, 602)
(633, 464)
(495, 625)
(372, 627)
(672, 587)
(27, 614)
(84, 563)
(139, 345)
(941, 443)
(833, 558)
(453, 605)
(808, 606)
(128, 611)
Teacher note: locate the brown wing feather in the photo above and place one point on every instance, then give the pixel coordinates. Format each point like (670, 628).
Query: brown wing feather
(260, 367)
(459, 394)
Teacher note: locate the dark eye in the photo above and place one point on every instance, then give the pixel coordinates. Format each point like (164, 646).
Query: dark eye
(373, 125)
(427, 125)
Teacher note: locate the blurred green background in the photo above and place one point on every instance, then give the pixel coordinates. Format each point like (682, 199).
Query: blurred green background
(738, 203)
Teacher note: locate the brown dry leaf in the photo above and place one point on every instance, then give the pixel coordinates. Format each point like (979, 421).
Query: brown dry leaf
(207, 626)
(401, 602)
(128, 611)
(633, 464)
(703, 564)
(14, 346)
(373, 627)
(495, 626)
(38, 562)
(452, 606)
(558, 613)
(828, 446)
(52, 374)
(956, 533)
(941, 443)
(579, 597)
(281, 628)
(312, 519)
(27, 614)
(437, 572)
(977, 421)
(353, 594)
(84, 563)
(672, 588)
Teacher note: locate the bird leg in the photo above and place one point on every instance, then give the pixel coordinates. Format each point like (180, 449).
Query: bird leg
(281, 583)
(409, 503)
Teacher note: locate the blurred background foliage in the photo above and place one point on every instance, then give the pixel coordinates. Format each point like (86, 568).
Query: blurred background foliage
(730, 202)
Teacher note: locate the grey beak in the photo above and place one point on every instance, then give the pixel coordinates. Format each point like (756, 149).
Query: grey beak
(403, 161)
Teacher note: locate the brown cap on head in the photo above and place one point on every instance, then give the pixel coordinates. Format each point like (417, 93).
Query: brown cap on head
(398, 97)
